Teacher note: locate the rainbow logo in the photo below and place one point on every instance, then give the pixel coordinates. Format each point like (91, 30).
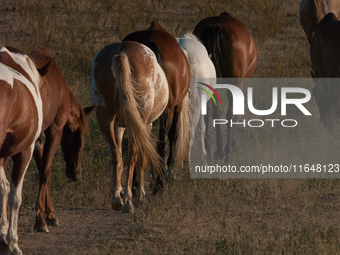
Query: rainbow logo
(212, 89)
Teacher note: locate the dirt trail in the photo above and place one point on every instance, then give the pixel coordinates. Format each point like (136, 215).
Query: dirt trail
(78, 230)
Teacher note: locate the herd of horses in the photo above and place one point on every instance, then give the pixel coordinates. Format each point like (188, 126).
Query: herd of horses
(144, 78)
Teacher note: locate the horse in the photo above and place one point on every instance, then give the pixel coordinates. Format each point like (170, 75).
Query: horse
(201, 70)
(131, 91)
(21, 119)
(325, 56)
(313, 11)
(177, 70)
(234, 55)
(65, 121)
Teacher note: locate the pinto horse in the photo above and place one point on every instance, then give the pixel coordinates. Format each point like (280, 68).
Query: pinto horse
(234, 55)
(21, 119)
(131, 91)
(64, 120)
(201, 70)
(313, 11)
(325, 56)
(177, 70)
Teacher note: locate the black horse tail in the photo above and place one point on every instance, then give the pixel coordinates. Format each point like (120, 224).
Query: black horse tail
(213, 41)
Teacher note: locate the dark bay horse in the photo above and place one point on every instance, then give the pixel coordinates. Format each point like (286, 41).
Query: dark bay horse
(176, 67)
(63, 120)
(325, 56)
(21, 120)
(234, 55)
(131, 91)
(313, 11)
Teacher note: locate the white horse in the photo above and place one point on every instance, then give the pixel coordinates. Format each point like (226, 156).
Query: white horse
(201, 70)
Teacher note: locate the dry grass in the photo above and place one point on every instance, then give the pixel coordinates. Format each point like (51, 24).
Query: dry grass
(191, 216)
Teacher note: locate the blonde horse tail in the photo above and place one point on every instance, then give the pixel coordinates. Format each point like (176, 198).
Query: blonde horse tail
(182, 150)
(137, 132)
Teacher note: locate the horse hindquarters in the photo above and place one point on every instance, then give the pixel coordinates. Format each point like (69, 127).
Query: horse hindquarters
(139, 139)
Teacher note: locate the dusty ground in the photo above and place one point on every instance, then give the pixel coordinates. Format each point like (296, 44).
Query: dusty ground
(79, 227)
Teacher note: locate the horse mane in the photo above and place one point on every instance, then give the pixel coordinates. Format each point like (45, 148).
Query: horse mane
(156, 26)
(319, 7)
(190, 36)
(225, 13)
(24, 61)
(330, 17)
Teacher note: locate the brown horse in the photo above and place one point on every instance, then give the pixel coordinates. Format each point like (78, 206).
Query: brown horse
(177, 70)
(131, 91)
(21, 119)
(234, 55)
(325, 56)
(65, 121)
(313, 11)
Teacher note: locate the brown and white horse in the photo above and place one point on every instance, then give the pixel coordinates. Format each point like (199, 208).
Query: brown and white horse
(177, 70)
(234, 55)
(325, 56)
(21, 119)
(63, 120)
(313, 11)
(131, 91)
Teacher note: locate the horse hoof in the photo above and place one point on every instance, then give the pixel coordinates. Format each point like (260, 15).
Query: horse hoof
(134, 191)
(42, 228)
(116, 207)
(128, 209)
(3, 246)
(52, 222)
(170, 176)
(15, 250)
(137, 202)
(157, 189)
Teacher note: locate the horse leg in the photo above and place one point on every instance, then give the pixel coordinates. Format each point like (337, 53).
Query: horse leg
(131, 160)
(20, 165)
(173, 138)
(219, 141)
(135, 182)
(195, 118)
(203, 151)
(140, 192)
(207, 121)
(44, 160)
(213, 112)
(6, 162)
(230, 129)
(4, 190)
(115, 148)
(162, 134)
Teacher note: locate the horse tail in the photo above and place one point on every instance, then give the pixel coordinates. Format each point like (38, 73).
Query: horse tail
(182, 150)
(129, 96)
(212, 40)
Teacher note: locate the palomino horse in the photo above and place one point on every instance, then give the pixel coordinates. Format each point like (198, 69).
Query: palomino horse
(201, 70)
(234, 55)
(65, 121)
(177, 70)
(313, 11)
(325, 56)
(131, 91)
(21, 119)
